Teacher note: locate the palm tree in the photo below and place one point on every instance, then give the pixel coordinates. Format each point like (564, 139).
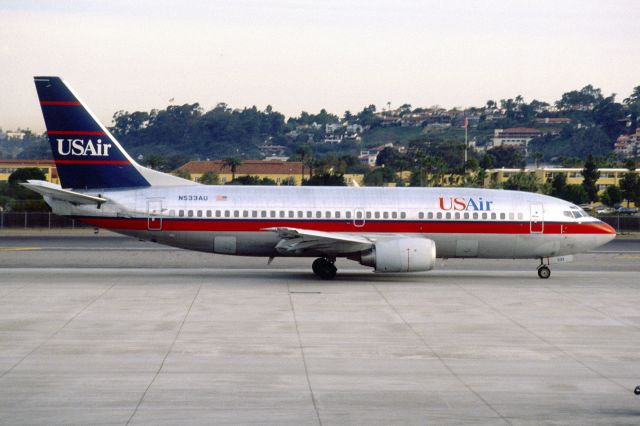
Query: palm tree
(537, 156)
(232, 163)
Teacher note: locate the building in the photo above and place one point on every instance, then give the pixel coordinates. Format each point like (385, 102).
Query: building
(514, 137)
(48, 167)
(608, 176)
(553, 120)
(628, 146)
(279, 171)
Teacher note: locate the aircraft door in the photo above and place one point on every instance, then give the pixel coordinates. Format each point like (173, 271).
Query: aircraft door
(537, 218)
(154, 215)
(358, 217)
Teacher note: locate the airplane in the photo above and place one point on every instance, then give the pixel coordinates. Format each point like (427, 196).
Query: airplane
(389, 229)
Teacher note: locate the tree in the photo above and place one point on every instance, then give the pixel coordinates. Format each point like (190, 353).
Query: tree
(380, 176)
(252, 180)
(210, 178)
(232, 163)
(559, 185)
(325, 179)
(612, 196)
(522, 181)
(576, 194)
(590, 176)
(537, 157)
(630, 183)
(24, 174)
(183, 174)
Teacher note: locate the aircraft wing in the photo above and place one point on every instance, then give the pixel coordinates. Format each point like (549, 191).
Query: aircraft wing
(56, 192)
(298, 241)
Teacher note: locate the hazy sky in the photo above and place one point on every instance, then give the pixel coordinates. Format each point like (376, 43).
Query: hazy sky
(306, 55)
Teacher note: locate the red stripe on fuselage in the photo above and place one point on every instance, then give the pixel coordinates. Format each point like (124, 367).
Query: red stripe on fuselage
(117, 162)
(61, 103)
(408, 227)
(75, 132)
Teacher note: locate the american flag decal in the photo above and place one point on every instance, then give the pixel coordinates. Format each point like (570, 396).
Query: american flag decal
(221, 198)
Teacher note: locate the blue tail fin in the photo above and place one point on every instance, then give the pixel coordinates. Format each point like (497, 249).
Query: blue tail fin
(87, 156)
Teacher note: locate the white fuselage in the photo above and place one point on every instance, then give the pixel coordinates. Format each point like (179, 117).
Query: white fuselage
(462, 222)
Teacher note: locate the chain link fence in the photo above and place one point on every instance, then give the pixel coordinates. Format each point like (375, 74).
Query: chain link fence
(47, 220)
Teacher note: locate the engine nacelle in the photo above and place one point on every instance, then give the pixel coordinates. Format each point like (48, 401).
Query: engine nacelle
(401, 255)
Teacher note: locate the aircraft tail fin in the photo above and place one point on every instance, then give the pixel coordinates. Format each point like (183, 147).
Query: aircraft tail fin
(86, 154)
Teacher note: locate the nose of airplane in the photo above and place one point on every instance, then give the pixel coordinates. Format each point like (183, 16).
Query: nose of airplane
(605, 233)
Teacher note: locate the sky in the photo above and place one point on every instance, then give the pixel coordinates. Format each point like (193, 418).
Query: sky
(306, 55)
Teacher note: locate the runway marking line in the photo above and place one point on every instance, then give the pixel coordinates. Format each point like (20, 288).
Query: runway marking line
(20, 248)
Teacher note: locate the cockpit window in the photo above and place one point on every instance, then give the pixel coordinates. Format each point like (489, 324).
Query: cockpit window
(567, 214)
(578, 212)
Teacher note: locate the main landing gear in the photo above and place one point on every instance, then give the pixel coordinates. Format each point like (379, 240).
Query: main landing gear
(324, 268)
(543, 270)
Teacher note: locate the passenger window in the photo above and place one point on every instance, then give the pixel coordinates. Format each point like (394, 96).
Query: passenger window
(282, 213)
(300, 214)
(272, 213)
(181, 213)
(430, 215)
(347, 214)
(511, 216)
(227, 213)
(466, 215)
(291, 213)
(327, 215)
(519, 216)
(439, 215)
(208, 213)
(457, 214)
(236, 213)
(190, 213)
(385, 215)
(309, 214)
(368, 214)
(337, 215)
(484, 215)
(403, 215)
(318, 214)
(475, 215)
(245, 213)
(503, 216)
(493, 216)
(254, 213)
(263, 213)
(394, 215)
(376, 215)
(218, 213)
(420, 215)
(358, 215)
(448, 215)
(199, 213)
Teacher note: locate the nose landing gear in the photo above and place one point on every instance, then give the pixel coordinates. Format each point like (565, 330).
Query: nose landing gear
(637, 390)
(543, 270)
(324, 268)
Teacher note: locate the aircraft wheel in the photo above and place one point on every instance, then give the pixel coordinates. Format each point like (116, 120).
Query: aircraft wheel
(544, 272)
(317, 265)
(324, 268)
(637, 390)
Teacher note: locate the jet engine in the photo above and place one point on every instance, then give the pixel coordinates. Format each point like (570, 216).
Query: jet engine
(401, 255)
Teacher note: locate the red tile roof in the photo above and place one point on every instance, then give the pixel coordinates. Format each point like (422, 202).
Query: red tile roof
(247, 167)
(521, 130)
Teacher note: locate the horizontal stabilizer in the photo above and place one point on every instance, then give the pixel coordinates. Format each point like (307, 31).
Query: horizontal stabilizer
(56, 192)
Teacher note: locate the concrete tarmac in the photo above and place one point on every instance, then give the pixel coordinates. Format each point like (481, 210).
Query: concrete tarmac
(110, 330)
